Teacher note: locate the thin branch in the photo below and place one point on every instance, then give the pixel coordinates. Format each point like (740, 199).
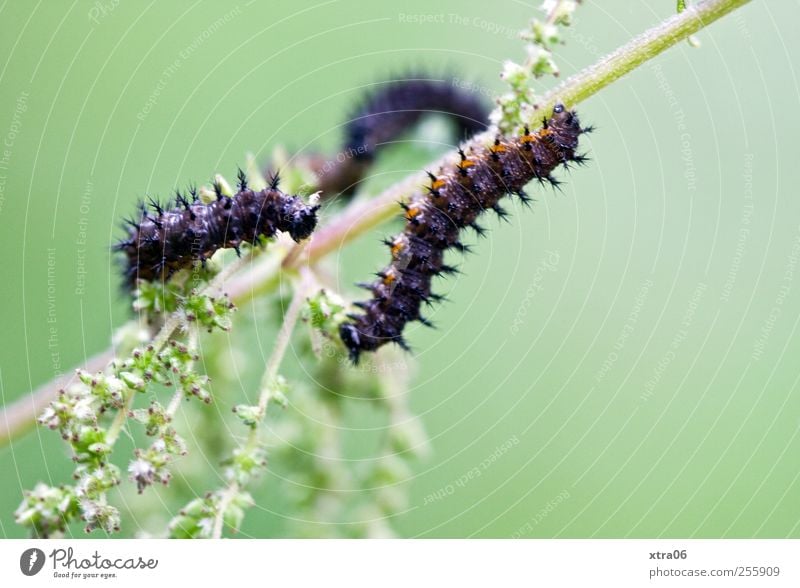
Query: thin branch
(178, 395)
(282, 343)
(551, 18)
(637, 51)
(19, 417)
(364, 215)
(119, 419)
(267, 383)
(219, 519)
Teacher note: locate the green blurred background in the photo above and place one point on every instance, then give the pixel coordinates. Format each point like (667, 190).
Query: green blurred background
(630, 342)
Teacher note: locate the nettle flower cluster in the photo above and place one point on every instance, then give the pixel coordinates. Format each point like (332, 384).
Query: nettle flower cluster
(541, 37)
(225, 507)
(91, 413)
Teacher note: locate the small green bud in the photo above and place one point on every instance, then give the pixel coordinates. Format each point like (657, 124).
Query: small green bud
(249, 414)
(133, 381)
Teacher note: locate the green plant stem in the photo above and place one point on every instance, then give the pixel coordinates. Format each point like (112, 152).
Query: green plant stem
(267, 382)
(177, 396)
(166, 332)
(551, 18)
(174, 403)
(364, 215)
(219, 519)
(282, 342)
(119, 420)
(637, 51)
(18, 418)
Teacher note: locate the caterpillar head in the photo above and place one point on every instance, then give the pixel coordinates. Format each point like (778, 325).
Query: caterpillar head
(302, 221)
(349, 335)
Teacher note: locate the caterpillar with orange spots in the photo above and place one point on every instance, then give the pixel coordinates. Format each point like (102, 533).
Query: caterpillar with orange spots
(455, 198)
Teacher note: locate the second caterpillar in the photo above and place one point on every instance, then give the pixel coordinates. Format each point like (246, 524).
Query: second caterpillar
(455, 198)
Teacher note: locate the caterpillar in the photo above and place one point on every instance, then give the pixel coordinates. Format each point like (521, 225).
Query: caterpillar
(455, 198)
(387, 113)
(165, 238)
(168, 237)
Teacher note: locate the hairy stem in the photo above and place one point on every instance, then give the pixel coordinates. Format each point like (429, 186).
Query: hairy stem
(18, 418)
(267, 383)
(551, 18)
(119, 419)
(637, 51)
(364, 215)
(177, 396)
(219, 520)
(282, 343)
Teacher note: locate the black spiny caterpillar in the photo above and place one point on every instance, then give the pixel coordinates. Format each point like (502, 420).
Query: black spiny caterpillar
(457, 195)
(386, 114)
(168, 237)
